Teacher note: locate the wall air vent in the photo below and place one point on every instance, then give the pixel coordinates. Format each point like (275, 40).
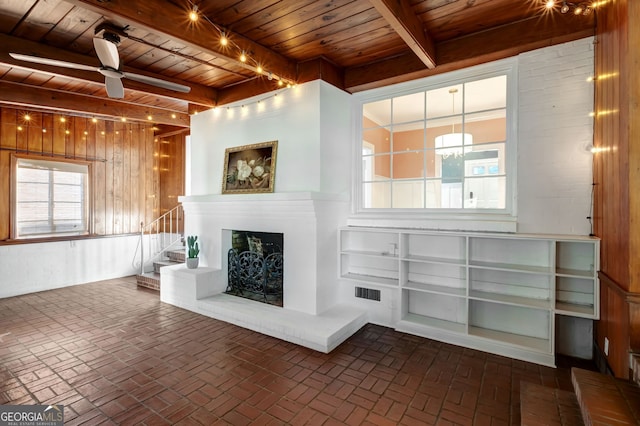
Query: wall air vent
(368, 293)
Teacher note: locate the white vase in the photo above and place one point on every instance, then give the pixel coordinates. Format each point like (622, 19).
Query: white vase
(192, 262)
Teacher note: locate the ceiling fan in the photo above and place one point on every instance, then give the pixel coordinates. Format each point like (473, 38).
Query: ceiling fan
(106, 43)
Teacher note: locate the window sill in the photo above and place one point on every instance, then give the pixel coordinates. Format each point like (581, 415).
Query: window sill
(55, 239)
(442, 222)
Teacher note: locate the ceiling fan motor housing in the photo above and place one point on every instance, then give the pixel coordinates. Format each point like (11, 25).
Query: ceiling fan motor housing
(112, 37)
(105, 42)
(110, 32)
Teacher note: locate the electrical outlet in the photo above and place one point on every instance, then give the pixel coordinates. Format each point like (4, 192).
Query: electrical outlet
(606, 346)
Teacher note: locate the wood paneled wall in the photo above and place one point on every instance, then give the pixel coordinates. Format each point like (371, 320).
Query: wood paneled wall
(125, 157)
(172, 172)
(617, 178)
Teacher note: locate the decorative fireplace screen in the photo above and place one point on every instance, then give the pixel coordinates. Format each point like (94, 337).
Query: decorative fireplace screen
(257, 272)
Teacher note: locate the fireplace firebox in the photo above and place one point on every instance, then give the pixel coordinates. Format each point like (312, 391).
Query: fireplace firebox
(255, 266)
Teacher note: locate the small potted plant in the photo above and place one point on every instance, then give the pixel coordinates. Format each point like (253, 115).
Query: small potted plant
(192, 252)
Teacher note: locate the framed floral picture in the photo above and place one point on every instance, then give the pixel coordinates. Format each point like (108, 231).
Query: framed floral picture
(250, 168)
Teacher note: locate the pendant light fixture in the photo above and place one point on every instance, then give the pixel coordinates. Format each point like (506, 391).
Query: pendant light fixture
(452, 143)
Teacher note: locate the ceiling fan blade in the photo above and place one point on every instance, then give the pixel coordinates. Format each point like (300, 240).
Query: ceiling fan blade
(157, 82)
(54, 62)
(114, 87)
(107, 52)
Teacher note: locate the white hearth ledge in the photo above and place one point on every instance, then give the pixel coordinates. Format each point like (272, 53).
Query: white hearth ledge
(181, 286)
(192, 289)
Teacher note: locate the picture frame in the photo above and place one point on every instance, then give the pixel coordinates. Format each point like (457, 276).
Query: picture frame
(250, 168)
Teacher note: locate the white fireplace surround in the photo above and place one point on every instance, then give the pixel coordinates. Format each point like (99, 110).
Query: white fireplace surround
(311, 314)
(307, 222)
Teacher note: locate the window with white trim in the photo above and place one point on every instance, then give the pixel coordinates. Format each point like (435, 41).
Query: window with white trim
(51, 198)
(443, 147)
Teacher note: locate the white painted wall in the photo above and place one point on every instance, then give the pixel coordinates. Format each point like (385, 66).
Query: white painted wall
(28, 268)
(336, 162)
(554, 130)
(311, 122)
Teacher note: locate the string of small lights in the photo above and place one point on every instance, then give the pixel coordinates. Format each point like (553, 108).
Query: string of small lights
(25, 121)
(226, 41)
(246, 105)
(584, 8)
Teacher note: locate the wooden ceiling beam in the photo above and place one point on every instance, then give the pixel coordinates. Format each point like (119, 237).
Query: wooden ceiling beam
(399, 14)
(200, 95)
(171, 20)
(321, 68)
(490, 45)
(18, 94)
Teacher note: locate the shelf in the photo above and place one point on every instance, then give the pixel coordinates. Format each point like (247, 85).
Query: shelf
(511, 324)
(386, 255)
(435, 247)
(437, 260)
(510, 286)
(574, 273)
(498, 293)
(584, 311)
(421, 320)
(369, 242)
(510, 300)
(576, 258)
(438, 289)
(576, 296)
(374, 269)
(532, 343)
(387, 282)
(511, 267)
(512, 254)
(434, 306)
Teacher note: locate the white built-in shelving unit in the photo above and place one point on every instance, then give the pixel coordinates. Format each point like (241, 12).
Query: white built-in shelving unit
(494, 292)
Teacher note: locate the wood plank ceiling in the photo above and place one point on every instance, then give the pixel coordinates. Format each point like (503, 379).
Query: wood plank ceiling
(352, 44)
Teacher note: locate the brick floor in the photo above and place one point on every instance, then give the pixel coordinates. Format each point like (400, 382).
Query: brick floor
(544, 405)
(112, 353)
(605, 400)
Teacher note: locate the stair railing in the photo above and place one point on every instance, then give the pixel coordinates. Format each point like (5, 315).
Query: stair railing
(164, 232)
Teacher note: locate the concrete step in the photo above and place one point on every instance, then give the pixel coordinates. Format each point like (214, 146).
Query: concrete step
(177, 255)
(544, 405)
(150, 280)
(605, 400)
(162, 263)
